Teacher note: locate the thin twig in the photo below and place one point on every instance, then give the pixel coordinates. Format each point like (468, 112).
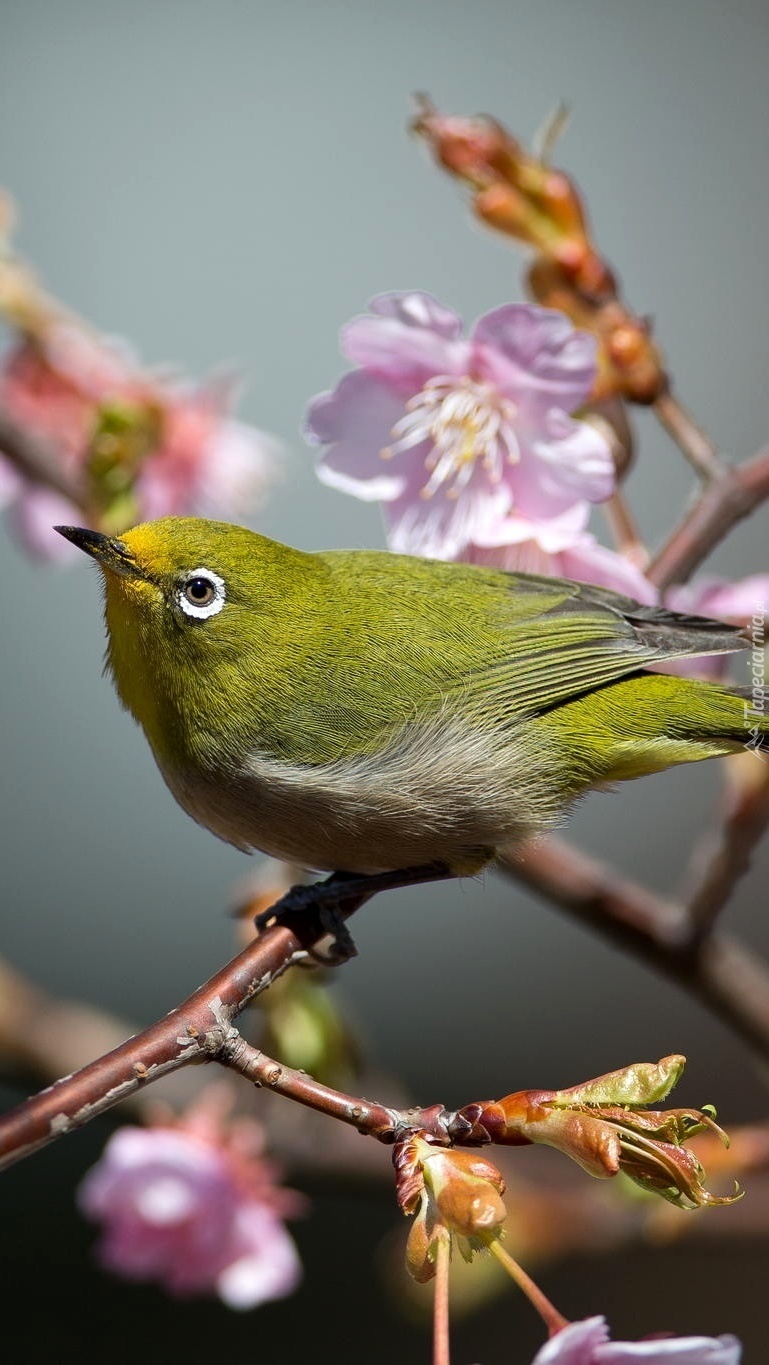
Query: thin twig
(625, 532)
(746, 820)
(718, 971)
(441, 1344)
(691, 440)
(721, 504)
(553, 1320)
(375, 1120)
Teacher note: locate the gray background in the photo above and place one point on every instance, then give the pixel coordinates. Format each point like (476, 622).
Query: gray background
(231, 181)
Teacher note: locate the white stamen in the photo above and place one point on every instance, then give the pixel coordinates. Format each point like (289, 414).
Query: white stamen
(465, 420)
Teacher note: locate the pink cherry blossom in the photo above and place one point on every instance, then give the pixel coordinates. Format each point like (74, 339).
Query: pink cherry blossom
(454, 435)
(722, 600)
(198, 460)
(587, 1343)
(560, 547)
(193, 1214)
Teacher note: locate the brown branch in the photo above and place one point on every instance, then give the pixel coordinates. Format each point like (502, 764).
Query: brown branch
(42, 1037)
(375, 1120)
(199, 1028)
(725, 501)
(691, 440)
(387, 1124)
(38, 461)
(186, 1035)
(745, 821)
(627, 537)
(718, 970)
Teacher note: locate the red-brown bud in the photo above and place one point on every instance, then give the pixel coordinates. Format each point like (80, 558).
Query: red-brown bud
(522, 196)
(454, 1193)
(605, 1126)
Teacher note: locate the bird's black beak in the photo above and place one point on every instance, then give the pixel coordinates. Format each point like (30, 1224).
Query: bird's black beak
(108, 551)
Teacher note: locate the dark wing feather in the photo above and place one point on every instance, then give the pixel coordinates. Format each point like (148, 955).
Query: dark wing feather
(588, 639)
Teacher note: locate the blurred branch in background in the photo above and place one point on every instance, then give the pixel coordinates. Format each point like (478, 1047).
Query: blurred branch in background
(38, 461)
(719, 971)
(720, 506)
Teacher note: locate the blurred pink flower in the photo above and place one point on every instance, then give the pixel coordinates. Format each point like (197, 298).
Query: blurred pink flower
(146, 446)
(587, 1343)
(721, 600)
(560, 547)
(194, 1214)
(451, 434)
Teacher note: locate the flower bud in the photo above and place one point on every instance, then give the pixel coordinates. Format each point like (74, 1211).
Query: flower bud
(421, 1246)
(467, 1190)
(518, 193)
(605, 1127)
(454, 1193)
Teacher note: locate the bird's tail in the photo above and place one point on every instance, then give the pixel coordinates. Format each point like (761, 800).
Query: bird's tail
(652, 721)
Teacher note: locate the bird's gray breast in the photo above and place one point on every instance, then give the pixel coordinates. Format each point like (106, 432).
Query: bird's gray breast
(439, 790)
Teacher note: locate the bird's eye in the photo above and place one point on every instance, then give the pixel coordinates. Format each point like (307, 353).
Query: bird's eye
(199, 592)
(202, 594)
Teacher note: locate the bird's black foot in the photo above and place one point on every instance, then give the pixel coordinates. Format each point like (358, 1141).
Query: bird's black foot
(321, 908)
(319, 903)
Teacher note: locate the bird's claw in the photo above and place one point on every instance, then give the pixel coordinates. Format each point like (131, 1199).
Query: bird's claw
(322, 899)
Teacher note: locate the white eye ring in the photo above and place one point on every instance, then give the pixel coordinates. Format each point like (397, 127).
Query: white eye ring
(210, 603)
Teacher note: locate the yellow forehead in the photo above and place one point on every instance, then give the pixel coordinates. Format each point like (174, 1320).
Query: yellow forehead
(152, 549)
(174, 544)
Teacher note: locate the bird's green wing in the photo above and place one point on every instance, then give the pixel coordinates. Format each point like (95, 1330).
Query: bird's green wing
(404, 634)
(588, 638)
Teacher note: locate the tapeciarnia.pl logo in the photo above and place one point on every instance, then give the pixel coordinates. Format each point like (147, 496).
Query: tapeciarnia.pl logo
(755, 704)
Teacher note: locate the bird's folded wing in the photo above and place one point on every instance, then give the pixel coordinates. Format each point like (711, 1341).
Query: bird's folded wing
(589, 638)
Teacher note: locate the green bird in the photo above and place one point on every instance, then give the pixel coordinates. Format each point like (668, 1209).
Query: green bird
(365, 712)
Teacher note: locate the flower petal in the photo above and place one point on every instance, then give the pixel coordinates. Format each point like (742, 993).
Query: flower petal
(672, 1351)
(720, 599)
(356, 420)
(410, 338)
(237, 469)
(192, 1214)
(269, 1268)
(563, 461)
(590, 562)
(552, 534)
(416, 308)
(576, 1344)
(586, 1343)
(441, 527)
(530, 351)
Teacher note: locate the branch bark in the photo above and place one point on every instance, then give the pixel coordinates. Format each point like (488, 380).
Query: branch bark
(691, 440)
(745, 821)
(200, 1029)
(717, 970)
(190, 1033)
(726, 500)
